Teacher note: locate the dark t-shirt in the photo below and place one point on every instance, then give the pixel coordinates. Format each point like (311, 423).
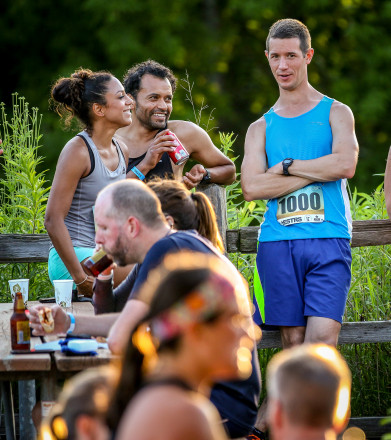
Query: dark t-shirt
(236, 401)
(178, 241)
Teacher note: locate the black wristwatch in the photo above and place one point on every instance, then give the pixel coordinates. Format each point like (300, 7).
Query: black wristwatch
(286, 163)
(206, 178)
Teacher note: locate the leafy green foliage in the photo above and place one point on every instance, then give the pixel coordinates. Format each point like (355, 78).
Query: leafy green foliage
(387, 421)
(220, 43)
(23, 190)
(240, 213)
(23, 194)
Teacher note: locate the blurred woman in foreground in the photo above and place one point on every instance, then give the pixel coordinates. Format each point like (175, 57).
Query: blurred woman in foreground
(80, 411)
(198, 331)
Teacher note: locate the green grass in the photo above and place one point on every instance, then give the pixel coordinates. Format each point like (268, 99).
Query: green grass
(369, 300)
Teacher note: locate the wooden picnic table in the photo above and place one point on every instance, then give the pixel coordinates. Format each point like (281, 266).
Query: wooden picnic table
(21, 367)
(48, 368)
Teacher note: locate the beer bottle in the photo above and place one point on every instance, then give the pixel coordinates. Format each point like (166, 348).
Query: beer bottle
(97, 263)
(20, 329)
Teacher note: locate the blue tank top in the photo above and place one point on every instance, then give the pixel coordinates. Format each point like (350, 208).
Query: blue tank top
(319, 210)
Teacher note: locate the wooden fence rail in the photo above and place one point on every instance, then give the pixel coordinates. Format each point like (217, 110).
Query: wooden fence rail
(365, 233)
(33, 248)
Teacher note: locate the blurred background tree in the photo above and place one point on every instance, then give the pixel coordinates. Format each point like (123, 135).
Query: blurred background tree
(219, 43)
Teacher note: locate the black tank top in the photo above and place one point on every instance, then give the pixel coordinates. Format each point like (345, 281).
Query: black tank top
(162, 169)
(175, 381)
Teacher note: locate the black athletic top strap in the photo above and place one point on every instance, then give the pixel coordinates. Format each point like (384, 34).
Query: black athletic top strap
(116, 143)
(176, 381)
(92, 158)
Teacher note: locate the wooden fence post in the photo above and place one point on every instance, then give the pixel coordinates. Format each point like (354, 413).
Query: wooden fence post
(26, 393)
(8, 406)
(217, 196)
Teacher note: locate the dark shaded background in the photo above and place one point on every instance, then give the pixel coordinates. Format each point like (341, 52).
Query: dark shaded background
(220, 44)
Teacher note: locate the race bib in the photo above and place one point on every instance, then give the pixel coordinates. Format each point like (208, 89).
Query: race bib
(306, 205)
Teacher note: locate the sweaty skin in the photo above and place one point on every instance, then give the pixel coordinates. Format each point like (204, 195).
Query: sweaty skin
(153, 107)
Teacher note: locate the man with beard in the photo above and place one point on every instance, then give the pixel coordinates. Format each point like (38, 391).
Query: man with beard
(149, 140)
(131, 228)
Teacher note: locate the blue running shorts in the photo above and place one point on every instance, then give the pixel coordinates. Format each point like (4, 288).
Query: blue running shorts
(57, 269)
(302, 278)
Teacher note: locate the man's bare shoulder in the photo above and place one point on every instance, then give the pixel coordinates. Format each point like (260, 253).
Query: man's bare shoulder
(194, 138)
(258, 126)
(185, 128)
(340, 110)
(170, 400)
(173, 410)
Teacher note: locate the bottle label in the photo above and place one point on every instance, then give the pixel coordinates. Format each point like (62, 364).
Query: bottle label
(23, 332)
(98, 255)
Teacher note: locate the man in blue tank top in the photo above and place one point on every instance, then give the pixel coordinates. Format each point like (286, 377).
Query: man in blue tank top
(149, 138)
(299, 155)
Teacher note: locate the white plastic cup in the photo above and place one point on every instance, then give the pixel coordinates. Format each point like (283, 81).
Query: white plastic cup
(63, 292)
(20, 285)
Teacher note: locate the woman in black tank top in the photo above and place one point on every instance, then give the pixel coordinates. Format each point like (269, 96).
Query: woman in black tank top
(190, 338)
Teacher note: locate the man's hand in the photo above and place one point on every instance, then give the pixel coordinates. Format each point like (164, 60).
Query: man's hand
(193, 177)
(161, 143)
(60, 317)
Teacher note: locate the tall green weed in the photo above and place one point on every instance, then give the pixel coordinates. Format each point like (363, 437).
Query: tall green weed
(369, 299)
(23, 190)
(240, 213)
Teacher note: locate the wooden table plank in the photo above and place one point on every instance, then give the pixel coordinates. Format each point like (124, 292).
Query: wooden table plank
(66, 363)
(18, 362)
(78, 363)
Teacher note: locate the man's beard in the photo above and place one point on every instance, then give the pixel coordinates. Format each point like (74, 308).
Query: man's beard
(120, 253)
(147, 122)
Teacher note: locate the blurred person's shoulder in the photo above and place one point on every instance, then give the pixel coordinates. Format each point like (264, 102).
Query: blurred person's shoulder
(174, 412)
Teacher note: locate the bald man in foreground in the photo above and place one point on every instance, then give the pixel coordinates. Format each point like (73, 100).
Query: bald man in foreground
(309, 393)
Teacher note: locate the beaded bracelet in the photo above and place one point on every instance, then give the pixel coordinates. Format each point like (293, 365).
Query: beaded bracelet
(81, 282)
